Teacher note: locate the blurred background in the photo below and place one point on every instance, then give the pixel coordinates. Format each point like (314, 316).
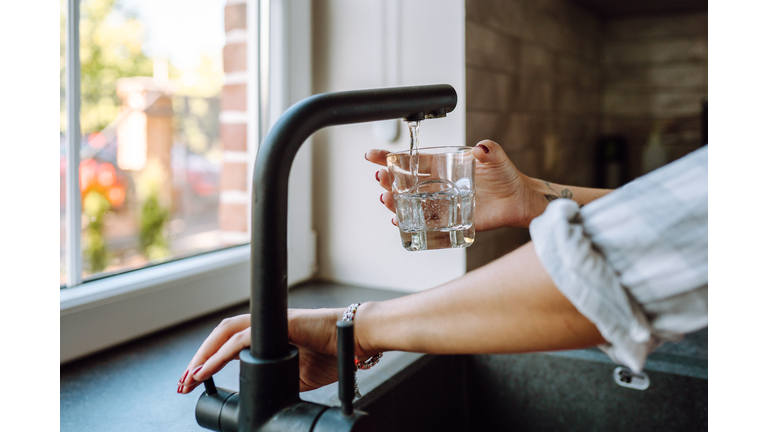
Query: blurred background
(582, 92)
(151, 154)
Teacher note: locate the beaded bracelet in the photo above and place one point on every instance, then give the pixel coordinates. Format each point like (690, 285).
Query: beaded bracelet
(349, 315)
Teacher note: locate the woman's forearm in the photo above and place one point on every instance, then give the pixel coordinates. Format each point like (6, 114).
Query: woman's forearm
(510, 305)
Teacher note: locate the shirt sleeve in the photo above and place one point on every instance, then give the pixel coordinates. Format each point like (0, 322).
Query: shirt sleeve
(634, 262)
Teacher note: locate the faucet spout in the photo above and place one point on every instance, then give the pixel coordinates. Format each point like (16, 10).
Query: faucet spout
(269, 232)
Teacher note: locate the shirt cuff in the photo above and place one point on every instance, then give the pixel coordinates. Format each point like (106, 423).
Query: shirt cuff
(582, 274)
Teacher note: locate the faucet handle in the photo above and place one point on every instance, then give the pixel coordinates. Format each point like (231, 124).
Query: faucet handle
(345, 339)
(210, 387)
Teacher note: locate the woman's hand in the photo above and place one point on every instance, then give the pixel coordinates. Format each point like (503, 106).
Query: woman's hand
(503, 194)
(313, 331)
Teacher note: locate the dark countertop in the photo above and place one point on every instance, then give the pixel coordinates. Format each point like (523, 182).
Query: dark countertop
(133, 387)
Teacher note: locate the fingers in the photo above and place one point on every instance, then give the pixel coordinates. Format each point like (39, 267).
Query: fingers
(379, 157)
(388, 200)
(213, 343)
(488, 152)
(384, 179)
(228, 352)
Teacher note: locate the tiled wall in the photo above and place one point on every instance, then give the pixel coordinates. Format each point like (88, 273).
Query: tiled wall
(655, 74)
(546, 78)
(533, 77)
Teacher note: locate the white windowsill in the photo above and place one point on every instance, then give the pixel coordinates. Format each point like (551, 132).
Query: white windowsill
(112, 288)
(106, 312)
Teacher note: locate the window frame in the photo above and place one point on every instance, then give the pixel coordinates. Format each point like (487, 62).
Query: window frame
(98, 314)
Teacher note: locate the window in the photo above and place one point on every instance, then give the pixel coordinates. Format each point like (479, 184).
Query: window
(205, 114)
(155, 183)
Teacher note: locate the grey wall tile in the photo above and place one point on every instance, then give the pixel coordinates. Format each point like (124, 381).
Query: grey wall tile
(658, 105)
(506, 130)
(610, 125)
(532, 129)
(527, 161)
(676, 75)
(489, 49)
(545, 78)
(548, 32)
(664, 51)
(482, 125)
(657, 27)
(535, 95)
(536, 61)
(577, 72)
(509, 17)
(490, 91)
(577, 101)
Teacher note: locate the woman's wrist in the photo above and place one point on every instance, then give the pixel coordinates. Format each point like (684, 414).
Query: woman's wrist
(365, 345)
(536, 200)
(542, 192)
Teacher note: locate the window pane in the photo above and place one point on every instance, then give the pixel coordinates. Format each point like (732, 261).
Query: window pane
(62, 144)
(151, 156)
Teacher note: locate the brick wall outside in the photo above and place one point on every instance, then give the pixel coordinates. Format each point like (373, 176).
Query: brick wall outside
(233, 206)
(545, 79)
(234, 137)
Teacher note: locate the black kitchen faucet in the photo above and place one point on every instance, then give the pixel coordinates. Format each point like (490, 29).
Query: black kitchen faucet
(269, 371)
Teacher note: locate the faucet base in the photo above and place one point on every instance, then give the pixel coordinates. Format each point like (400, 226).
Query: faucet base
(218, 412)
(266, 387)
(333, 420)
(299, 417)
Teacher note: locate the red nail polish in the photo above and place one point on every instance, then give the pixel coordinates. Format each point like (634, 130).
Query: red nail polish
(377, 176)
(197, 369)
(381, 198)
(393, 222)
(485, 149)
(184, 377)
(366, 156)
(178, 390)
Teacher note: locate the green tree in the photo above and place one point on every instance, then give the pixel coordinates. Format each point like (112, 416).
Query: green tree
(154, 214)
(110, 48)
(152, 241)
(95, 206)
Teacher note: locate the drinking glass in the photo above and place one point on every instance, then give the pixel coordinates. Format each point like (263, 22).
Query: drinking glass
(434, 192)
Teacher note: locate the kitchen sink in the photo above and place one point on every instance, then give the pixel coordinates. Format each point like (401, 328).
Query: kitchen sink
(569, 390)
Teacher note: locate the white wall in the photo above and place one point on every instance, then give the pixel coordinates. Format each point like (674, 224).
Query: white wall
(371, 44)
(290, 80)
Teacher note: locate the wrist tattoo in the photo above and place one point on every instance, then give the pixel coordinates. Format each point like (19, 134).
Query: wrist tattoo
(565, 193)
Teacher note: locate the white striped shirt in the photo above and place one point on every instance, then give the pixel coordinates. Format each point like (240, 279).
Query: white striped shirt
(634, 262)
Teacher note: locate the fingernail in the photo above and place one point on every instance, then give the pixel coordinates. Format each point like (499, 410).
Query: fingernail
(178, 390)
(485, 149)
(366, 155)
(377, 176)
(393, 222)
(381, 198)
(197, 369)
(184, 377)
